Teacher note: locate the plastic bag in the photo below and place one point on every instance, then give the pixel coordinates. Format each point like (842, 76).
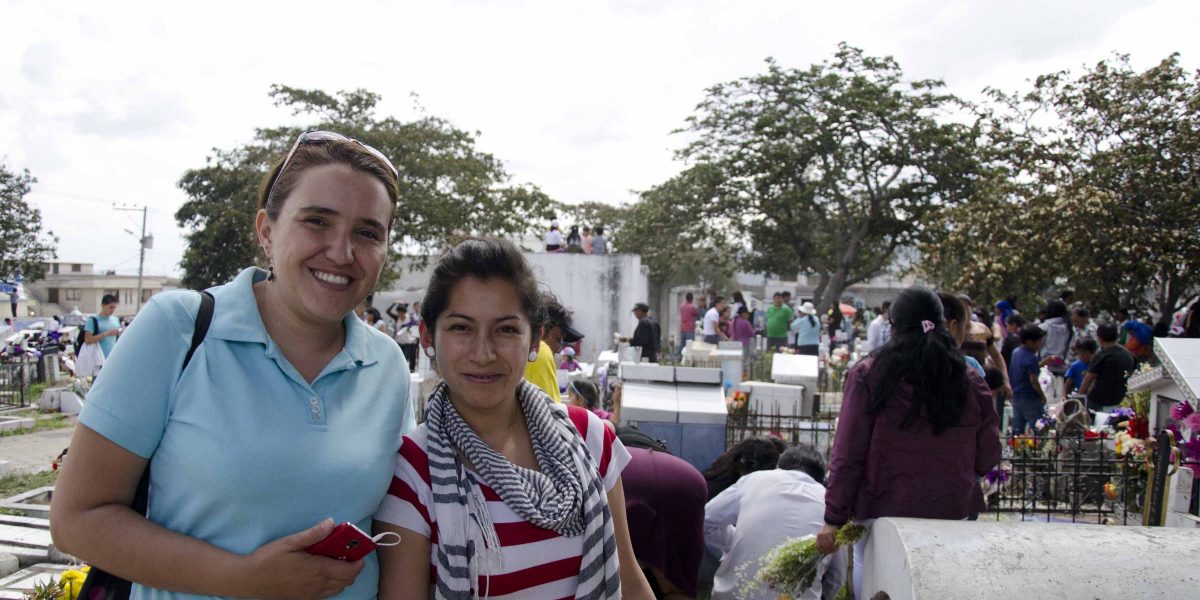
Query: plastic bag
(89, 361)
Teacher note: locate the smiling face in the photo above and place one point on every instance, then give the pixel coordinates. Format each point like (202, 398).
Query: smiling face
(328, 244)
(482, 341)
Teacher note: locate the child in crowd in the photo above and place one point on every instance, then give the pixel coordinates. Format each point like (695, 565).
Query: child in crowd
(1084, 350)
(568, 362)
(585, 395)
(1029, 401)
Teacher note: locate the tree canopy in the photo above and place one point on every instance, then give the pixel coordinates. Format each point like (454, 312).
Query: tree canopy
(448, 187)
(24, 247)
(1093, 185)
(831, 169)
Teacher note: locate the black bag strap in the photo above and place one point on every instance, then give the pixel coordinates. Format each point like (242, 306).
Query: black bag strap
(99, 583)
(95, 325)
(203, 320)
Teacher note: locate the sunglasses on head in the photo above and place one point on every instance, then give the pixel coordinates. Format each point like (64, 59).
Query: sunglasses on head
(324, 137)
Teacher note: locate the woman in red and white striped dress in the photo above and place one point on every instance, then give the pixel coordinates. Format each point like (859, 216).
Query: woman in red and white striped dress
(501, 493)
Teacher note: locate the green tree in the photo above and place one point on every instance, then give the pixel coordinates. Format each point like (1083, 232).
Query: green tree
(448, 188)
(673, 228)
(24, 247)
(1096, 187)
(833, 168)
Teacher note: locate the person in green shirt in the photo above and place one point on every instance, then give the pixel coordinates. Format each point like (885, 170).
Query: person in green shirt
(779, 317)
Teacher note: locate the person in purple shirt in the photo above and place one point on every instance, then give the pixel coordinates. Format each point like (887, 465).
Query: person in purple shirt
(742, 330)
(917, 429)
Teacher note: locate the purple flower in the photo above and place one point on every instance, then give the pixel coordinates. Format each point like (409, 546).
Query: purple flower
(996, 475)
(1181, 411)
(1125, 412)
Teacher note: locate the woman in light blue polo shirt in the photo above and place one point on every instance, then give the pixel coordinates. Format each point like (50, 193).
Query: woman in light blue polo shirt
(285, 421)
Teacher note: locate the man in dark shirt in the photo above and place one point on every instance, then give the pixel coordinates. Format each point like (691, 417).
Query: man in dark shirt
(647, 334)
(1104, 384)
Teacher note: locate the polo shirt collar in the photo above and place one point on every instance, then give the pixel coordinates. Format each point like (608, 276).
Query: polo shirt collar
(236, 318)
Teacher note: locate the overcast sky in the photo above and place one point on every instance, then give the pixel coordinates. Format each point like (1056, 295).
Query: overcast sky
(112, 101)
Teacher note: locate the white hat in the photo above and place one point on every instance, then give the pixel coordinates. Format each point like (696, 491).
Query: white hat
(808, 308)
(568, 351)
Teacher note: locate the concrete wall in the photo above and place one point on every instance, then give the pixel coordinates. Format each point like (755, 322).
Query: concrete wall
(935, 560)
(601, 289)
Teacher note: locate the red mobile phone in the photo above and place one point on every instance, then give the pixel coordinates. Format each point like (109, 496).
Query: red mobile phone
(346, 543)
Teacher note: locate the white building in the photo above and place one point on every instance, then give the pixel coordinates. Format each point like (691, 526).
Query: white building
(68, 285)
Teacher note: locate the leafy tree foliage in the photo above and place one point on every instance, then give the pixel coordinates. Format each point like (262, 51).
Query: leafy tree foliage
(24, 249)
(673, 228)
(1098, 189)
(832, 168)
(448, 188)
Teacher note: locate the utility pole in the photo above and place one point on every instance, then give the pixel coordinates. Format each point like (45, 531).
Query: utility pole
(143, 242)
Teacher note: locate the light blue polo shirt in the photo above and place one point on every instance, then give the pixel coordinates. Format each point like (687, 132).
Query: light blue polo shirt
(244, 450)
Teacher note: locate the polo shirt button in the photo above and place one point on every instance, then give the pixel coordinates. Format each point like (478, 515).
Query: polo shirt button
(314, 401)
(316, 409)
(316, 417)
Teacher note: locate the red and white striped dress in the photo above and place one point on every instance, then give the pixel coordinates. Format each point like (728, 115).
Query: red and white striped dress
(535, 562)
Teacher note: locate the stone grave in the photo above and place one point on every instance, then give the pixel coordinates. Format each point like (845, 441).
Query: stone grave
(920, 559)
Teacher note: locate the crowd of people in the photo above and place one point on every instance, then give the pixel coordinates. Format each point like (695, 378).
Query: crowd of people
(230, 433)
(587, 241)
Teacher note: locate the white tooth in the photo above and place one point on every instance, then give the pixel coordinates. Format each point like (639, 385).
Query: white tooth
(331, 278)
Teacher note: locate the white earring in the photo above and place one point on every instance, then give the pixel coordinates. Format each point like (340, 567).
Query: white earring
(533, 356)
(429, 351)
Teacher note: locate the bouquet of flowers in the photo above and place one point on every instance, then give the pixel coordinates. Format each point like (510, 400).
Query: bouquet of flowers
(738, 402)
(839, 363)
(1187, 433)
(791, 568)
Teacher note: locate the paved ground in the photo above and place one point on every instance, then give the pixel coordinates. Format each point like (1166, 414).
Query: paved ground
(34, 451)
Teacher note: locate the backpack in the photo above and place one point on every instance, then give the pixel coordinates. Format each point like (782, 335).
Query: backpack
(632, 437)
(79, 336)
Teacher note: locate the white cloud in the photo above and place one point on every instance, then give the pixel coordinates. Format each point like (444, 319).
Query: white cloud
(115, 101)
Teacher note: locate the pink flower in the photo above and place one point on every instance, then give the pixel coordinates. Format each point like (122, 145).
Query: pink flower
(1192, 422)
(1181, 411)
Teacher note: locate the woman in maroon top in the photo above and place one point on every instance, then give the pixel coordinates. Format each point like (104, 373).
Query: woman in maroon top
(917, 428)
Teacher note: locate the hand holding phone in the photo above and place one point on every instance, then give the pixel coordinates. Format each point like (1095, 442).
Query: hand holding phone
(347, 543)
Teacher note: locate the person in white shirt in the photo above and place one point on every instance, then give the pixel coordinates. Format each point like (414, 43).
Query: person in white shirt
(712, 322)
(763, 510)
(554, 238)
(879, 331)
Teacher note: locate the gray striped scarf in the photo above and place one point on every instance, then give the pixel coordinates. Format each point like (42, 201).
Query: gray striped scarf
(566, 496)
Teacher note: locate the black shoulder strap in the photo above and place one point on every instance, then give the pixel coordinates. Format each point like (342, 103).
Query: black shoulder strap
(203, 320)
(95, 325)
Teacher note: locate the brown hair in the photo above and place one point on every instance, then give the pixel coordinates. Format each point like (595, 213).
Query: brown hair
(483, 258)
(276, 187)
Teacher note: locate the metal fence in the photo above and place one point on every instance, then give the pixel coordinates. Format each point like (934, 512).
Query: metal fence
(13, 384)
(1073, 478)
(815, 430)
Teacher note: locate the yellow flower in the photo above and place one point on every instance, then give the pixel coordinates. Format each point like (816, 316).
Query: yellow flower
(72, 582)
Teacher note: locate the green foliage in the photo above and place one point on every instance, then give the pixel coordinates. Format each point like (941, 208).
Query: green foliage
(23, 247)
(17, 483)
(1093, 184)
(791, 567)
(675, 229)
(831, 169)
(448, 188)
(42, 421)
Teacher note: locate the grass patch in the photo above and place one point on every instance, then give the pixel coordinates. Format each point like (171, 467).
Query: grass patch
(11, 485)
(42, 421)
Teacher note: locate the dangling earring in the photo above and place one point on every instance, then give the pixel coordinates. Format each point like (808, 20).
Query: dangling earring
(533, 356)
(271, 271)
(429, 351)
